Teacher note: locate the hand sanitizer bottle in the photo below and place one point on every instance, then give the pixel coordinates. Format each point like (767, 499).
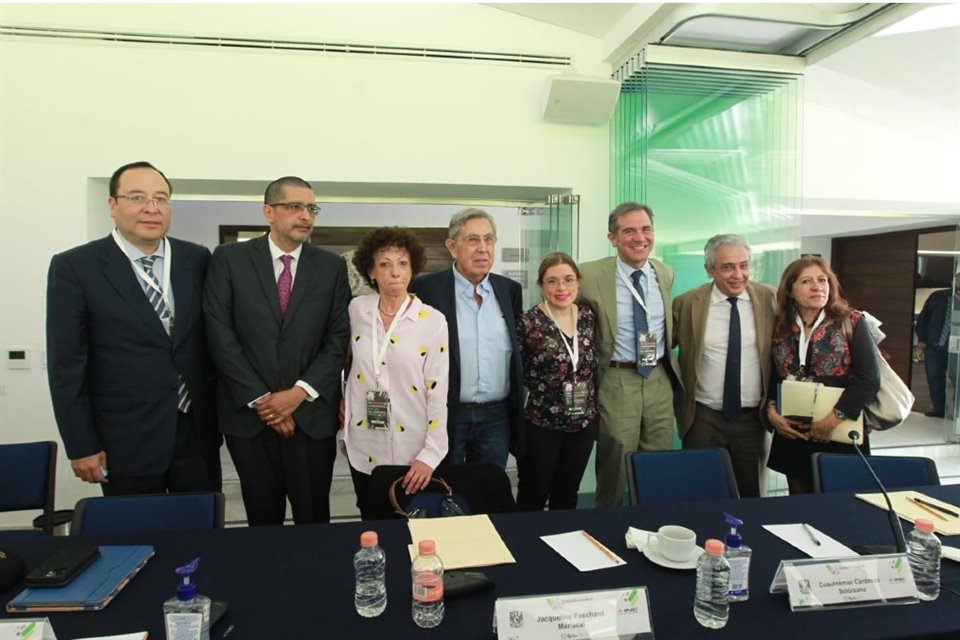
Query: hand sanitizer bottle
(738, 556)
(187, 615)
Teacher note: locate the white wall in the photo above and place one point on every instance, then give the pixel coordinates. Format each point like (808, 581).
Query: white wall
(72, 111)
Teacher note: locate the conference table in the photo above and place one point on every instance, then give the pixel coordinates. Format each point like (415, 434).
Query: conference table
(297, 581)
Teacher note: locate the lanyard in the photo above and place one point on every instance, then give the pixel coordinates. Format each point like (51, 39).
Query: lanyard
(575, 351)
(804, 341)
(378, 356)
(633, 290)
(167, 260)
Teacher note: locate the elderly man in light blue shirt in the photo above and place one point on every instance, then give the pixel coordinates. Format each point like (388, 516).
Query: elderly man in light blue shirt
(486, 374)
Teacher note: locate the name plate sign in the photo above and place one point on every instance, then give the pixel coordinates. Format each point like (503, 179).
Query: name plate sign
(585, 615)
(846, 582)
(27, 629)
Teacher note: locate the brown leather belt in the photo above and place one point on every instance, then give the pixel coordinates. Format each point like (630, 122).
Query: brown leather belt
(630, 365)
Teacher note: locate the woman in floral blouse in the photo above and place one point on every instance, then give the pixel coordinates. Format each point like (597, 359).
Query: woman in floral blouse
(817, 337)
(560, 363)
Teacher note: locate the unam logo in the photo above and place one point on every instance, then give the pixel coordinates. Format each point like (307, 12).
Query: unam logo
(516, 619)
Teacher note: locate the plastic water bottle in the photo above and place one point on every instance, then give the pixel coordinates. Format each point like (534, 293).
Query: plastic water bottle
(369, 566)
(427, 573)
(923, 552)
(711, 607)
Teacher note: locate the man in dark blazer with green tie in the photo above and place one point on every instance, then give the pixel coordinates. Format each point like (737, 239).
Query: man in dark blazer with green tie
(277, 324)
(130, 378)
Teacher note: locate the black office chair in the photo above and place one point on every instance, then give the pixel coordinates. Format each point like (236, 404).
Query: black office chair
(846, 472)
(28, 478)
(657, 477)
(476, 488)
(148, 513)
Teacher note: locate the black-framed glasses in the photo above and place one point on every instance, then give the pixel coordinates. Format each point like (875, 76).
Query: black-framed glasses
(140, 200)
(297, 207)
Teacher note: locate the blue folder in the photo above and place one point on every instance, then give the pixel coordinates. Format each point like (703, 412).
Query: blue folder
(93, 589)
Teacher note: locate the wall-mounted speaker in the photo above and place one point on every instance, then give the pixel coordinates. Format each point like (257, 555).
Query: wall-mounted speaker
(578, 99)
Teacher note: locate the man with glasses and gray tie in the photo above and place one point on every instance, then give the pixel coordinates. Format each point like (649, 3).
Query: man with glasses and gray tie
(130, 378)
(276, 312)
(630, 294)
(724, 330)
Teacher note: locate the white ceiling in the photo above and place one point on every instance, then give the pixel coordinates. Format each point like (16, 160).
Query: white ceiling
(593, 19)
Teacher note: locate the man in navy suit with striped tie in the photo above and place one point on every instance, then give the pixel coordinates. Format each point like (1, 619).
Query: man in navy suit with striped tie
(130, 378)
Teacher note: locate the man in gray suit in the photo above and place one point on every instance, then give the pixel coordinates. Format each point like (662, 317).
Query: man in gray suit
(724, 328)
(277, 325)
(630, 294)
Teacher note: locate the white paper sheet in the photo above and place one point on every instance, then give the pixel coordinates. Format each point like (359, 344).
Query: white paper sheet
(581, 550)
(798, 536)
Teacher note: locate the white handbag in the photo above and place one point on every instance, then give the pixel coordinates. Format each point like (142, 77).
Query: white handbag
(893, 401)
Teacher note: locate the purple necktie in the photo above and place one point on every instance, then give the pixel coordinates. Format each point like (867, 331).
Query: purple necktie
(284, 284)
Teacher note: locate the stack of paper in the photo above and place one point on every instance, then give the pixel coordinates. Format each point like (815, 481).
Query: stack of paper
(463, 541)
(812, 401)
(906, 505)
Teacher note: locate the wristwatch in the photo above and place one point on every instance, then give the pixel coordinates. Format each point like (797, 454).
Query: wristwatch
(840, 414)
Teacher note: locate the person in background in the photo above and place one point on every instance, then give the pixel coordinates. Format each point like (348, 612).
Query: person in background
(817, 337)
(130, 377)
(630, 295)
(933, 335)
(395, 405)
(276, 312)
(724, 331)
(486, 375)
(556, 339)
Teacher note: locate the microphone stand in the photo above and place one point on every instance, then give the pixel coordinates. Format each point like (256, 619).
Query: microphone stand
(901, 546)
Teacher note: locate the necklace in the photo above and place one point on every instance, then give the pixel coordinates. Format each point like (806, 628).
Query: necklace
(385, 312)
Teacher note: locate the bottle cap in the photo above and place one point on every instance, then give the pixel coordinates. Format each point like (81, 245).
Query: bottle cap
(922, 524)
(427, 547)
(734, 539)
(369, 539)
(187, 590)
(714, 547)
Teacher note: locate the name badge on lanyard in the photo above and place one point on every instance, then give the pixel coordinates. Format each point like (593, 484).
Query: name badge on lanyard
(574, 393)
(378, 400)
(646, 342)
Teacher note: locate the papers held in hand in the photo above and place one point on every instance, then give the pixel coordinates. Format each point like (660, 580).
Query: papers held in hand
(811, 401)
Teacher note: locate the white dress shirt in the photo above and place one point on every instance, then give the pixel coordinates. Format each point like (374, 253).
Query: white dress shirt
(713, 363)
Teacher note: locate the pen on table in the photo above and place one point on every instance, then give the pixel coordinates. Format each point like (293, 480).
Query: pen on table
(228, 631)
(925, 508)
(597, 544)
(938, 507)
(809, 531)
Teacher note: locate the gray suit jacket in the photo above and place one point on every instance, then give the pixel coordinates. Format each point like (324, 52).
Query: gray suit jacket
(598, 288)
(689, 327)
(256, 351)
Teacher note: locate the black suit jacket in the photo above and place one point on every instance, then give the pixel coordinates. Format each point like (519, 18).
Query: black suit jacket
(438, 290)
(932, 316)
(113, 369)
(257, 352)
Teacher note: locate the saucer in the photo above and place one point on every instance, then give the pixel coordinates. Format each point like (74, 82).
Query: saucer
(656, 558)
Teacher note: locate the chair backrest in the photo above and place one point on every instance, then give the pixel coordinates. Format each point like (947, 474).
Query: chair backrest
(148, 513)
(656, 477)
(478, 488)
(28, 477)
(846, 472)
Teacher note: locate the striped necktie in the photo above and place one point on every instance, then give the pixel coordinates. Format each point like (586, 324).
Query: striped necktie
(639, 319)
(159, 304)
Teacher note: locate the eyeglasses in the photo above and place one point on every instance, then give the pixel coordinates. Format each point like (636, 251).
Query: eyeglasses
(297, 207)
(475, 241)
(569, 281)
(140, 200)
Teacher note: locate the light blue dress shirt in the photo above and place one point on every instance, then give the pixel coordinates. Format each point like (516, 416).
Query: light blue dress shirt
(484, 342)
(625, 346)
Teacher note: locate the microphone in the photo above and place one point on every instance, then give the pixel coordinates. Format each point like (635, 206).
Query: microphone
(894, 519)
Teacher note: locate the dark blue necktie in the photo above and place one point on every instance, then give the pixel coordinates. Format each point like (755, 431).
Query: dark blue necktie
(639, 320)
(731, 375)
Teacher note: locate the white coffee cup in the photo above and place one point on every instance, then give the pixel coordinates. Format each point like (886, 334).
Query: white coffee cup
(673, 542)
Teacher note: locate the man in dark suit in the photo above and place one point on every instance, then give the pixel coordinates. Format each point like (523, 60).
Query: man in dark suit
(276, 311)
(717, 410)
(130, 378)
(484, 402)
(933, 335)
